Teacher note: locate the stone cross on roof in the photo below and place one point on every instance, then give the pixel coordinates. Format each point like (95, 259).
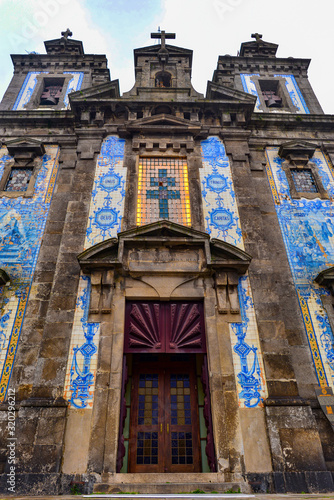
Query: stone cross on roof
(257, 36)
(163, 35)
(66, 34)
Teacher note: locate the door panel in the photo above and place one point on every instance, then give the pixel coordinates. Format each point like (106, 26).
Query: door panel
(164, 434)
(146, 442)
(182, 441)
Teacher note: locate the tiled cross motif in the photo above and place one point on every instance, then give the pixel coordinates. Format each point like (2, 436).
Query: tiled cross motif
(163, 194)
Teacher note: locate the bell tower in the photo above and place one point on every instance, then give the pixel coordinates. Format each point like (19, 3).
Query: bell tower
(163, 69)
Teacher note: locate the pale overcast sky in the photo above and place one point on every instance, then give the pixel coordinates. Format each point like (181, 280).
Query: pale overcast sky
(302, 28)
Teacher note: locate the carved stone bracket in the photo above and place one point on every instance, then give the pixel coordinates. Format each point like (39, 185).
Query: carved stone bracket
(226, 284)
(101, 291)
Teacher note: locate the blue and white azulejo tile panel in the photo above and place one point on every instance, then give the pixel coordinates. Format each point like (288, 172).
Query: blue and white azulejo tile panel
(291, 86)
(107, 203)
(247, 355)
(22, 223)
(218, 196)
(308, 232)
(250, 87)
(222, 221)
(30, 82)
(295, 94)
(82, 361)
(104, 222)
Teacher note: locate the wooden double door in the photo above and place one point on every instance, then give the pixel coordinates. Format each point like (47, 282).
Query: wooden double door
(164, 428)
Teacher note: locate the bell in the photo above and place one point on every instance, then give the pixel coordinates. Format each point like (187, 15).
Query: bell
(274, 103)
(50, 100)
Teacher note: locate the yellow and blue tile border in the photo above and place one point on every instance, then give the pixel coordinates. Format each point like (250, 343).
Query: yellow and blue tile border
(22, 223)
(307, 228)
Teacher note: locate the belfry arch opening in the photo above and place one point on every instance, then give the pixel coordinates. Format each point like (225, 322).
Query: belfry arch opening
(163, 79)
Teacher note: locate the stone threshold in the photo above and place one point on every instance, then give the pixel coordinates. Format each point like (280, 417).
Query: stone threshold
(166, 478)
(167, 496)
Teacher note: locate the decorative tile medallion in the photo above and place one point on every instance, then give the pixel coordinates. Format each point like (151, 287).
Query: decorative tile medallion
(30, 82)
(291, 86)
(107, 203)
(219, 203)
(22, 222)
(222, 221)
(308, 232)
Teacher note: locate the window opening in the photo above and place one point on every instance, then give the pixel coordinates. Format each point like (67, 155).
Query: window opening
(304, 180)
(18, 179)
(52, 91)
(163, 79)
(270, 93)
(163, 191)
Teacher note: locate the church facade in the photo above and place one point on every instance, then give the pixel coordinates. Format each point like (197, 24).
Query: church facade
(167, 270)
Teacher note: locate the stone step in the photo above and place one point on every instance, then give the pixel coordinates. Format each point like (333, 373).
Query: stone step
(170, 496)
(167, 488)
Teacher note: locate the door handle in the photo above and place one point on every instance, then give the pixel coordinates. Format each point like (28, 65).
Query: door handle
(167, 428)
(160, 427)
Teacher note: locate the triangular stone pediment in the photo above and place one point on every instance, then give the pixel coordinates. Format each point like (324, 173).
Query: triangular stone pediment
(25, 145)
(297, 148)
(163, 247)
(64, 46)
(163, 229)
(259, 47)
(222, 93)
(109, 90)
(152, 50)
(161, 119)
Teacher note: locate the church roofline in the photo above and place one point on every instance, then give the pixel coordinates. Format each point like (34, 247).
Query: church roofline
(173, 50)
(295, 61)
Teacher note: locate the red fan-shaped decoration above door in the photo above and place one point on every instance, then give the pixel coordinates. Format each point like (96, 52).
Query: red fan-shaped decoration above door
(172, 327)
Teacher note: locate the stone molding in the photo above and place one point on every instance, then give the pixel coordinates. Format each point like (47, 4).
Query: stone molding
(163, 248)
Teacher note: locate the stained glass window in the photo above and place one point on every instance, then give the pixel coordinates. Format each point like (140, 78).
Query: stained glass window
(304, 180)
(163, 191)
(18, 179)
